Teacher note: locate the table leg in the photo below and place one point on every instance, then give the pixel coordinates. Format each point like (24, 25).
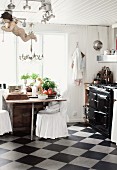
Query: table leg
(10, 110)
(32, 121)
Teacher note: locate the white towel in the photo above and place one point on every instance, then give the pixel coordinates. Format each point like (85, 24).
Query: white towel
(78, 66)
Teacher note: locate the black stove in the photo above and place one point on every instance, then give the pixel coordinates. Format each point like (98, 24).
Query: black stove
(105, 86)
(101, 107)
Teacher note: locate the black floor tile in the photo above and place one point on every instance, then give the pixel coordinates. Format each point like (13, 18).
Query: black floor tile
(62, 157)
(114, 152)
(26, 149)
(105, 166)
(70, 124)
(30, 160)
(98, 136)
(94, 155)
(49, 140)
(107, 143)
(55, 147)
(1, 142)
(72, 131)
(73, 167)
(90, 130)
(20, 134)
(75, 138)
(35, 168)
(83, 145)
(22, 141)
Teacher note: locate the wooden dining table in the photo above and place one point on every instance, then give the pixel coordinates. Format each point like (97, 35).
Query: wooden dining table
(32, 101)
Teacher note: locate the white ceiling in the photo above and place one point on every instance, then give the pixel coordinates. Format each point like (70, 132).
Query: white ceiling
(81, 12)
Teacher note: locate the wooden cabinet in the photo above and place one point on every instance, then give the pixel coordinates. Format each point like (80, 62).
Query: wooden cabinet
(86, 93)
(22, 116)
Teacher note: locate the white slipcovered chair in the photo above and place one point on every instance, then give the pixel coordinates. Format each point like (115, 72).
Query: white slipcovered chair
(52, 122)
(5, 122)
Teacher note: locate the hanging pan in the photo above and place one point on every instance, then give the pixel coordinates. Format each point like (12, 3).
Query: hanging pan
(97, 45)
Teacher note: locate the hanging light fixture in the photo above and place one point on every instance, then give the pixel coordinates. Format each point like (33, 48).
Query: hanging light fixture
(11, 5)
(45, 6)
(24, 23)
(32, 55)
(26, 6)
(48, 13)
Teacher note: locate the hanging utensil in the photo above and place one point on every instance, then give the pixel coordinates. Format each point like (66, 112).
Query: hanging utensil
(97, 45)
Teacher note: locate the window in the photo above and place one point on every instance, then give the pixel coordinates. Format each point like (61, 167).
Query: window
(55, 60)
(54, 64)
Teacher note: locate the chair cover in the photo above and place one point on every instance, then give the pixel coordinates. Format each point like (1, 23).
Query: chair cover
(5, 123)
(51, 123)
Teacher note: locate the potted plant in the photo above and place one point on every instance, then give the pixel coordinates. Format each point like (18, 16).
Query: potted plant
(49, 87)
(25, 77)
(34, 76)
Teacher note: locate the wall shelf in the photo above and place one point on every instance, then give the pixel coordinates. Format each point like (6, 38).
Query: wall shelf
(107, 58)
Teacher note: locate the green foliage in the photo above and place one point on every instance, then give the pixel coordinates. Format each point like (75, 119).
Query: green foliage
(25, 76)
(48, 83)
(34, 76)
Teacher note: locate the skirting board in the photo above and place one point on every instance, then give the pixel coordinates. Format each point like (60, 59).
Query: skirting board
(76, 120)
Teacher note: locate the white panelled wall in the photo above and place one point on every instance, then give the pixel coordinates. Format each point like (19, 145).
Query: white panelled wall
(85, 36)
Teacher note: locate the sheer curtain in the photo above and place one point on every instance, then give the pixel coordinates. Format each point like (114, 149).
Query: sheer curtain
(55, 59)
(7, 59)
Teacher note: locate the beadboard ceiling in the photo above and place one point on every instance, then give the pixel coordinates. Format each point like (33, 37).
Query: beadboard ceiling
(81, 12)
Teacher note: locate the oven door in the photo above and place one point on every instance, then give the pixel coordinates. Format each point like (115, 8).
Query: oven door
(101, 120)
(92, 99)
(103, 103)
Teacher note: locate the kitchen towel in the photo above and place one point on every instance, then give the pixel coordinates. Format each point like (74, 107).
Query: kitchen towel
(78, 64)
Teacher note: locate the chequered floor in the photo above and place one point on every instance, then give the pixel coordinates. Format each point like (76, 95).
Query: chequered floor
(83, 149)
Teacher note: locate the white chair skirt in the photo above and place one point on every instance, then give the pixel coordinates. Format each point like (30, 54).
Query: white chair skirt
(51, 125)
(5, 122)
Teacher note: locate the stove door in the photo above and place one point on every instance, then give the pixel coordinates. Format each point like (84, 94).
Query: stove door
(103, 103)
(101, 120)
(92, 99)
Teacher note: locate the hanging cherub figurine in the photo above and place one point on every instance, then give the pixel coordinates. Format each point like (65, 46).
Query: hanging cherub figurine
(11, 26)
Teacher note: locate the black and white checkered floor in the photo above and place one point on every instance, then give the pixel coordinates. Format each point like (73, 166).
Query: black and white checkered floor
(83, 149)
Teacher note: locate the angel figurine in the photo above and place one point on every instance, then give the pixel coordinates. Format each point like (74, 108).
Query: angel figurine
(11, 26)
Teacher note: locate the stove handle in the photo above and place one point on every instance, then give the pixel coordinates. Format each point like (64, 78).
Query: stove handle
(103, 97)
(96, 101)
